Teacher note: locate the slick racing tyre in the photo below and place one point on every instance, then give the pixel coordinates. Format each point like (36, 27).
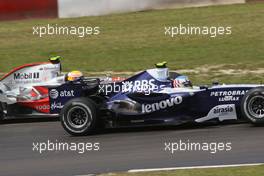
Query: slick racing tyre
(79, 117)
(252, 105)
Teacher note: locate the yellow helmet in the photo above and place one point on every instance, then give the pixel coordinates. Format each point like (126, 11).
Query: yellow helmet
(55, 59)
(161, 64)
(74, 75)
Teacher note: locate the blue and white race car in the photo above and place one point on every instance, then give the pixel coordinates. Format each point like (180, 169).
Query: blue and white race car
(153, 97)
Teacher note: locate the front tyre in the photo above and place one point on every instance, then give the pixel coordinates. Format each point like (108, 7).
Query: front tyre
(79, 117)
(252, 105)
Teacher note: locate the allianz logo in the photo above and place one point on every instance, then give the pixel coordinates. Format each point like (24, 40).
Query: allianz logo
(54, 94)
(147, 108)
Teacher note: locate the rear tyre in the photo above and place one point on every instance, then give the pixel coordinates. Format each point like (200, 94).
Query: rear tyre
(252, 105)
(79, 117)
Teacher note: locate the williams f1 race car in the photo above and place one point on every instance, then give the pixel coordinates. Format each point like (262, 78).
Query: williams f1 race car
(155, 97)
(151, 97)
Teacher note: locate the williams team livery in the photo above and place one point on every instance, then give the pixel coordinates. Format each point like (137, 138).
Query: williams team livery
(151, 97)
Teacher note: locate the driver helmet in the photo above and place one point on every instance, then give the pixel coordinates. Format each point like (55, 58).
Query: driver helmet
(55, 59)
(74, 75)
(181, 82)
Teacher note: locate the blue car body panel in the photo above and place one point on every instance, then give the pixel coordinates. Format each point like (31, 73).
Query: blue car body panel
(145, 99)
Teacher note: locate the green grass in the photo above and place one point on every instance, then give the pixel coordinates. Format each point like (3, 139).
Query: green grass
(235, 171)
(135, 41)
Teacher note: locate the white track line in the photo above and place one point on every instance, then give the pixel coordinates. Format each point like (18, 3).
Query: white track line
(194, 167)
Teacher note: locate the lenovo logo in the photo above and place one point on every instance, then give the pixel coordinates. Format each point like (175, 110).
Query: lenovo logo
(147, 108)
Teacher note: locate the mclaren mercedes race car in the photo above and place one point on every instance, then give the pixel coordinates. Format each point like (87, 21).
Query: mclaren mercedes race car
(26, 90)
(151, 97)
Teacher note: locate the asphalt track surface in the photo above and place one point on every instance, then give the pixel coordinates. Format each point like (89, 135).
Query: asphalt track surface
(121, 150)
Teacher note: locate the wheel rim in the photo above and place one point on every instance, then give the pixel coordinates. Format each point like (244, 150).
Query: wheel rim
(256, 107)
(78, 117)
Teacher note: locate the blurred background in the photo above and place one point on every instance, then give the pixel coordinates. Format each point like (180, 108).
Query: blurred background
(132, 36)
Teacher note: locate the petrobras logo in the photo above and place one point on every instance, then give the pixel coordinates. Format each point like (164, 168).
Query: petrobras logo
(147, 108)
(54, 94)
(223, 109)
(26, 76)
(228, 93)
(233, 95)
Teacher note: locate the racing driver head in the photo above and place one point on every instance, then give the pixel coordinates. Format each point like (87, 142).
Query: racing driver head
(74, 75)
